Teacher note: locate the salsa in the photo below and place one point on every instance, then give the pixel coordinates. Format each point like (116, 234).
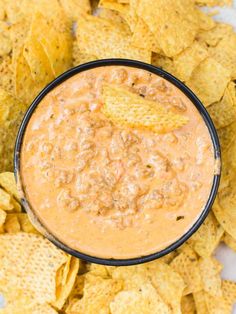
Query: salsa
(108, 190)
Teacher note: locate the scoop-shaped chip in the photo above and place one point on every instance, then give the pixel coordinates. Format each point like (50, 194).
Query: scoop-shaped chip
(127, 108)
(144, 299)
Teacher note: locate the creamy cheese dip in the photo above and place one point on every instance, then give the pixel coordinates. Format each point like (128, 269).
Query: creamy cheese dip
(111, 191)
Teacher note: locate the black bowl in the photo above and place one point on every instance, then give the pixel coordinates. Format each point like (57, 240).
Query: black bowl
(178, 84)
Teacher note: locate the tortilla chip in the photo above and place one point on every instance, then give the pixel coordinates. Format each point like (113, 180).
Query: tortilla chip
(79, 57)
(210, 273)
(213, 36)
(105, 39)
(227, 136)
(164, 63)
(35, 55)
(188, 305)
(229, 291)
(5, 42)
(208, 236)
(8, 183)
(12, 224)
(11, 112)
(57, 43)
(114, 17)
(223, 113)
(3, 216)
(200, 302)
(224, 207)
(98, 293)
(6, 74)
(217, 305)
(5, 200)
(174, 23)
(73, 9)
(127, 108)
(188, 60)
(64, 287)
(225, 53)
(206, 22)
(168, 283)
(229, 241)
(209, 81)
(188, 268)
(143, 38)
(212, 3)
(142, 300)
(25, 224)
(99, 270)
(30, 262)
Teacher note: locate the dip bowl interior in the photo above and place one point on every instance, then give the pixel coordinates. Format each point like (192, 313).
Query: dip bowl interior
(196, 102)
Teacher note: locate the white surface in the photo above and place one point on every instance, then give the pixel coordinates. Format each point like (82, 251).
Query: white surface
(225, 255)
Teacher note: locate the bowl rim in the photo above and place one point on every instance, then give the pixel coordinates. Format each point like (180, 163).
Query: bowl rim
(196, 102)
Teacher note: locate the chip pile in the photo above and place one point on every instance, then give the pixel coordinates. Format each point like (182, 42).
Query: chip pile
(41, 39)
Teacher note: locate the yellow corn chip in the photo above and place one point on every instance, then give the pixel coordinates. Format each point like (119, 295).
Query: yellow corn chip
(188, 268)
(6, 74)
(73, 9)
(164, 63)
(173, 23)
(30, 262)
(217, 305)
(188, 305)
(169, 284)
(210, 274)
(200, 302)
(35, 55)
(64, 287)
(104, 39)
(227, 136)
(99, 270)
(207, 238)
(229, 241)
(8, 183)
(225, 53)
(98, 293)
(229, 291)
(79, 57)
(11, 112)
(214, 35)
(143, 300)
(3, 216)
(188, 60)
(5, 46)
(212, 3)
(57, 43)
(5, 200)
(12, 224)
(223, 113)
(130, 109)
(209, 81)
(25, 224)
(143, 38)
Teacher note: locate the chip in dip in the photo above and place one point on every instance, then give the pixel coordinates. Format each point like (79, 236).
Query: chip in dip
(117, 162)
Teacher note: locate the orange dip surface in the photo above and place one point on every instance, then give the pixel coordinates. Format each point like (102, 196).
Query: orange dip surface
(112, 191)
